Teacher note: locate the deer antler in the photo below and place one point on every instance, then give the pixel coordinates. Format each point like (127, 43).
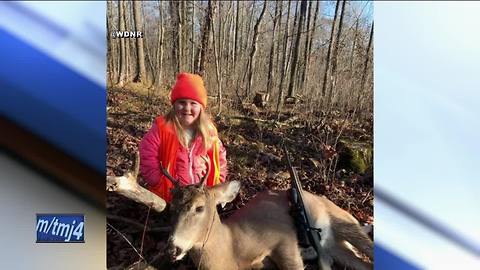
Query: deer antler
(204, 178)
(136, 167)
(170, 177)
(128, 186)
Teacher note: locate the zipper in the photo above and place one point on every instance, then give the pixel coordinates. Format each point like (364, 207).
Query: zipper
(190, 157)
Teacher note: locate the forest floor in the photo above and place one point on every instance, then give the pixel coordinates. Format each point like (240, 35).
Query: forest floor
(255, 158)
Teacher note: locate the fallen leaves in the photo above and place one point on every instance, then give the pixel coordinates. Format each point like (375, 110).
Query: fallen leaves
(255, 158)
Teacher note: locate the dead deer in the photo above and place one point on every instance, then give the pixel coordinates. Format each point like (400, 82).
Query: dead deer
(262, 230)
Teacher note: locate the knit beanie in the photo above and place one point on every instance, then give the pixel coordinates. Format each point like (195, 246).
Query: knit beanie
(189, 86)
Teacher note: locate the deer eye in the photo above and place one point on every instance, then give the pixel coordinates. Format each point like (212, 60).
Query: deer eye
(199, 209)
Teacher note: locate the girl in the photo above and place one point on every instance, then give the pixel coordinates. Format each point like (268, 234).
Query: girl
(183, 141)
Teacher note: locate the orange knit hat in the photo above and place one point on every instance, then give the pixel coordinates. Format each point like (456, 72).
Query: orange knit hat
(189, 86)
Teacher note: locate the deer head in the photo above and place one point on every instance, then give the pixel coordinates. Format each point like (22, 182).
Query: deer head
(193, 212)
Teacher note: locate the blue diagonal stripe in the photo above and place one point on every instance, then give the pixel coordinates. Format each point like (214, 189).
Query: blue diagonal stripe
(384, 259)
(52, 101)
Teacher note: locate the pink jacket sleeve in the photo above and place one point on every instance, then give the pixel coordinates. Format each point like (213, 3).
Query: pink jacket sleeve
(223, 162)
(149, 160)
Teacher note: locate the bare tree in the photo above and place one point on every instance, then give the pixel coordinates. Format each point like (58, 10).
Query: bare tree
(159, 67)
(123, 52)
(192, 38)
(365, 68)
(327, 62)
(147, 51)
(272, 50)
(284, 59)
(110, 46)
(279, 39)
(293, 71)
(235, 36)
(251, 66)
(308, 42)
(352, 60)
(286, 46)
(333, 75)
(217, 68)
(205, 38)
(137, 10)
(176, 33)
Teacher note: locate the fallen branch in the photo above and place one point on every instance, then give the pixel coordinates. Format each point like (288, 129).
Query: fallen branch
(251, 119)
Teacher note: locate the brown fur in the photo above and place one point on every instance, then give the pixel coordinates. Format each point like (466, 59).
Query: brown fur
(262, 229)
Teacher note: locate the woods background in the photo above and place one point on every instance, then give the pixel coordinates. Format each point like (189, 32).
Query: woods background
(314, 52)
(297, 72)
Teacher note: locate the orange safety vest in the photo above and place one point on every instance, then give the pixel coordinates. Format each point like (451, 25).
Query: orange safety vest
(167, 154)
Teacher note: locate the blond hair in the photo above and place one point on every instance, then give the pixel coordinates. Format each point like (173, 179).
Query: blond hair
(203, 126)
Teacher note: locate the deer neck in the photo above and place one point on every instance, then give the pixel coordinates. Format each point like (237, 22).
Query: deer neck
(216, 252)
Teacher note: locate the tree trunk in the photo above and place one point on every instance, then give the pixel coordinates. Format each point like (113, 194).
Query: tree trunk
(327, 64)
(293, 72)
(284, 59)
(254, 48)
(217, 67)
(352, 61)
(308, 43)
(192, 37)
(205, 38)
(333, 80)
(279, 39)
(176, 32)
(290, 52)
(272, 50)
(148, 52)
(365, 68)
(235, 37)
(229, 48)
(110, 68)
(160, 43)
(183, 34)
(128, 42)
(123, 52)
(137, 10)
(179, 39)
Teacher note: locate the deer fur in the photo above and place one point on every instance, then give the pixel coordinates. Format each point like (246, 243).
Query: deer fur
(261, 230)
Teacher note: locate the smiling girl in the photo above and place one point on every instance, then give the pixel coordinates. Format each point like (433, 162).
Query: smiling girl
(183, 141)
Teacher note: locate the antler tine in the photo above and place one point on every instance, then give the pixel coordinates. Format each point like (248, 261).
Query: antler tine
(204, 178)
(136, 165)
(167, 174)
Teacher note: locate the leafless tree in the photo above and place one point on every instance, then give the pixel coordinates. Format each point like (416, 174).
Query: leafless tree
(293, 72)
(296, 46)
(137, 10)
(333, 74)
(327, 62)
(159, 68)
(272, 49)
(205, 38)
(123, 51)
(252, 59)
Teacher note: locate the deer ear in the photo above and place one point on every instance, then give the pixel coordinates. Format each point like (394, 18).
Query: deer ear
(226, 192)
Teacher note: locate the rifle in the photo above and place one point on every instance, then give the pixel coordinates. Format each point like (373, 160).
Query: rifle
(307, 235)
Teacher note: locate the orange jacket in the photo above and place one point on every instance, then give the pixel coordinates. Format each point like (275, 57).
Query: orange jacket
(161, 145)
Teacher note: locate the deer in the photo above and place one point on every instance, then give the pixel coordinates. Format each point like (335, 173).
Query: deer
(260, 233)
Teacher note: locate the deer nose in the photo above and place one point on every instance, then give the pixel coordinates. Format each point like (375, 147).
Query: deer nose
(178, 251)
(173, 251)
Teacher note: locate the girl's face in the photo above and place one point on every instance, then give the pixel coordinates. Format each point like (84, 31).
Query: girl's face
(187, 111)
